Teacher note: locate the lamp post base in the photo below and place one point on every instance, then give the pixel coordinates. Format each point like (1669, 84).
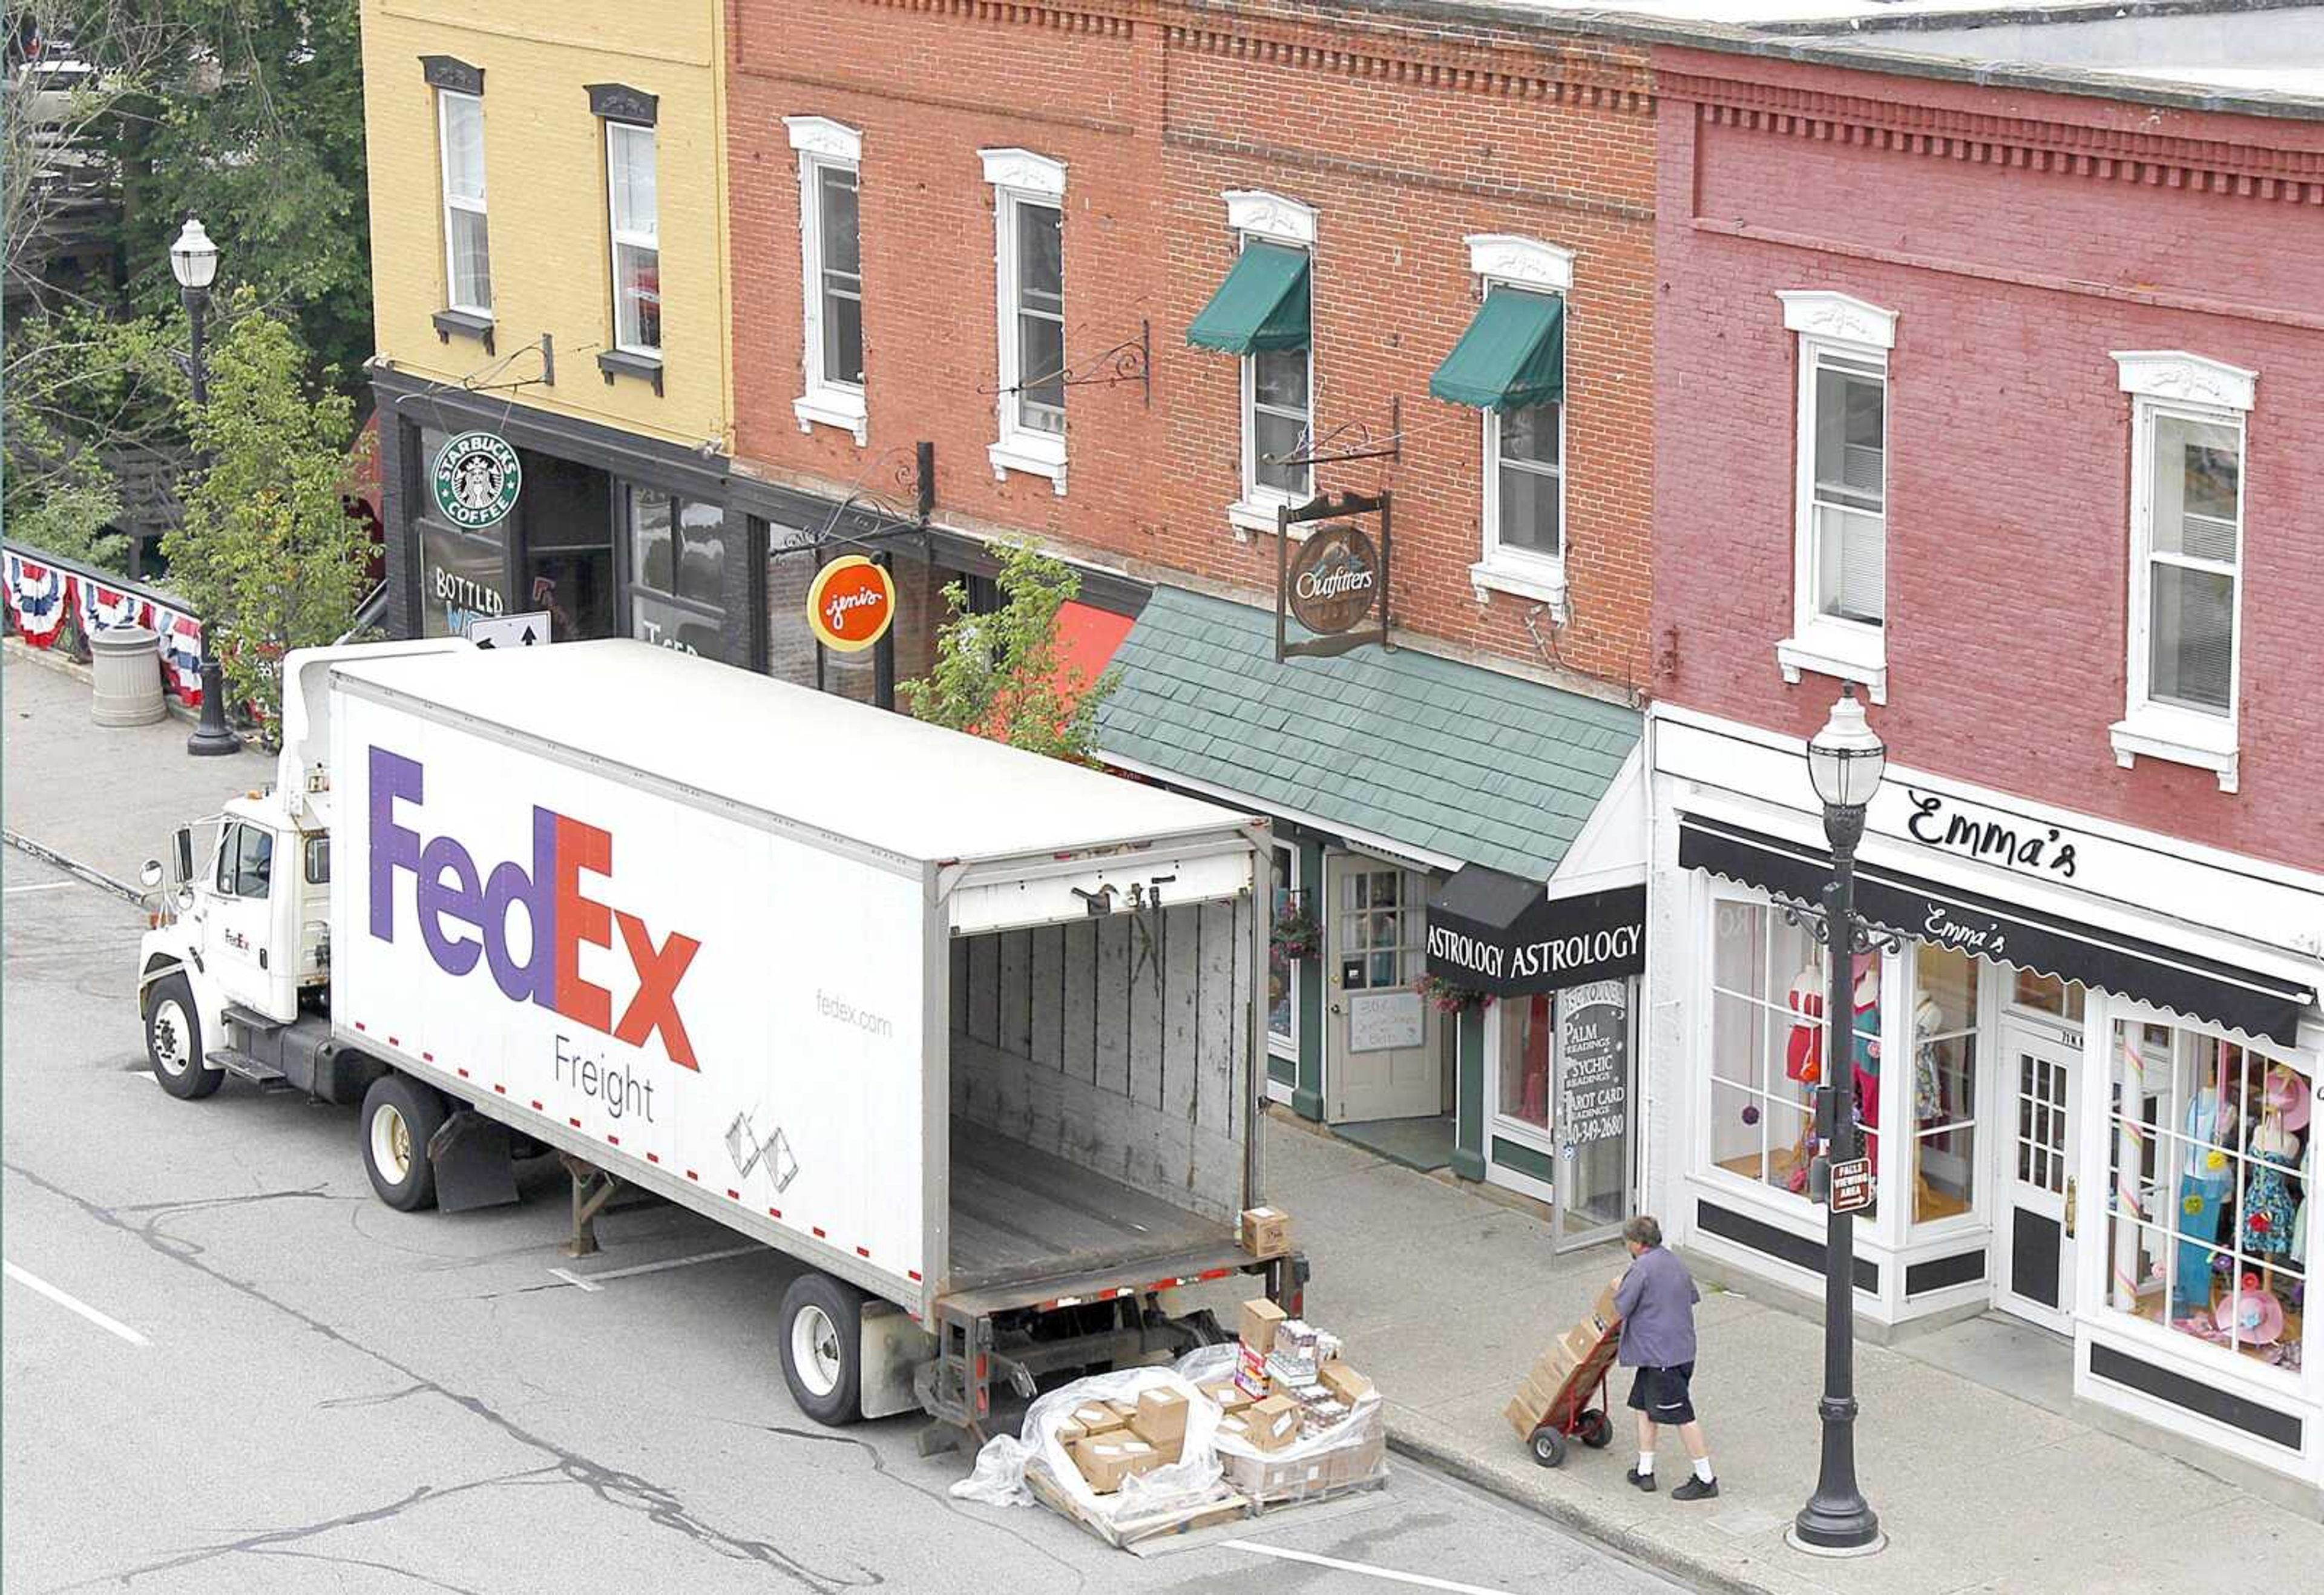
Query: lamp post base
(211, 738)
(1871, 1547)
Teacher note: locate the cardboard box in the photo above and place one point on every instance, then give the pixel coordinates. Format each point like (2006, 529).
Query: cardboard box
(1106, 1459)
(1260, 1318)
(1124, 1410)
(1524, 1417)
(1601, 1312)
(1236, 1425)
(1344, 1382)
(1274, 1423)
(1095, 1417)
(1264, 1231)
(1228, 1395)
(1068, 1431)
(1581, 1341)
(1161, 1419)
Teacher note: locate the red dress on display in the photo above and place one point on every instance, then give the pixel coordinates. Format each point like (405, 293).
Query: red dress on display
(1803, 1053)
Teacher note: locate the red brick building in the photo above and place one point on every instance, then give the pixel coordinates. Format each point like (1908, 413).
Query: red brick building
(1998, 403)
(985, 190)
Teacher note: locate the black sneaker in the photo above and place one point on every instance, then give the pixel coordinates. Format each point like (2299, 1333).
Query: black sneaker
(1696, 1490)
(1645, 1481)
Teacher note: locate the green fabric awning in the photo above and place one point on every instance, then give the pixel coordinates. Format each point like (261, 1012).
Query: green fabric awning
(1512, 358)
(1262, 305)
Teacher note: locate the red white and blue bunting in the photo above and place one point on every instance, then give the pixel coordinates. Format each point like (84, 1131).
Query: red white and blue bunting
(40, 595)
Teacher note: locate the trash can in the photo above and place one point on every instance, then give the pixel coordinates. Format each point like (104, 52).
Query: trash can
(126, 661)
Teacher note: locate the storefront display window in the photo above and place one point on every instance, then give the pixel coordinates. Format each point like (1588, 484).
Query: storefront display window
(1944, 1028)
(462, 573)
(568, 545)
(1767, 1044)
(1291, 941)
(677, 570)
(2048, 994)
(1527, 1035)
(2211, 1162)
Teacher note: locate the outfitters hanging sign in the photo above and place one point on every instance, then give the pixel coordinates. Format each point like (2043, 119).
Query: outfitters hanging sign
(1336, 585)
(475, 478)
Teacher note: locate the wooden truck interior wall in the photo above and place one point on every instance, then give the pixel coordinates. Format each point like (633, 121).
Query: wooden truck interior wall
(1121, 1045)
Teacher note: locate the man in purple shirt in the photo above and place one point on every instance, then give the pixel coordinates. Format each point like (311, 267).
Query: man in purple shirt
(1657, 1301)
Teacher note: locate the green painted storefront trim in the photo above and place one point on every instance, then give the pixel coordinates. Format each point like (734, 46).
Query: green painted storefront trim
(1468, 1097)
(1307, 1093)
(1525, 1159)
(1282, 1070)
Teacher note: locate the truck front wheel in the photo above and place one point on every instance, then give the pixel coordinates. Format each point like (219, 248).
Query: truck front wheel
(400, 1115)
(173, 1041)
(822, 1348)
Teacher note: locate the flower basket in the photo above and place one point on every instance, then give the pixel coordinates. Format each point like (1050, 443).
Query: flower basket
(1295, 934)
(1447, 998)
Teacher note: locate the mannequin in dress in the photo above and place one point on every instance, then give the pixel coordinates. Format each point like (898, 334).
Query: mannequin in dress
(2208, 1176)
(1928, 1078)
(1863, 1050)
(1803, 1053)
(2268, 1208)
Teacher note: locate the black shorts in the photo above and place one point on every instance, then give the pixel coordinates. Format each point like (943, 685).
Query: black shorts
(1662, 1394)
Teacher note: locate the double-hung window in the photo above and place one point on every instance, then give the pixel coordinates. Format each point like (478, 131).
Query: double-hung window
(1510, 365)
(1262, 312)
(830, 262)
(1840, 587)
(468, 252)
(636, 236)
(1029, 288)
(2186, 540)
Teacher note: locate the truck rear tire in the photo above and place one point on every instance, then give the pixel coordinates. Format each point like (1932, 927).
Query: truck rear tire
(822, 1348)
(400, 1115)
(173, 1041)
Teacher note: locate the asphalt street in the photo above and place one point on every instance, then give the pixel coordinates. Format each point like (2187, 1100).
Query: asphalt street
(229, 1367)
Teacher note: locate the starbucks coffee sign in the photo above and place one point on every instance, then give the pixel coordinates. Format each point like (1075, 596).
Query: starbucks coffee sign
(475, 479)
(1335, 579)
(1335, 582)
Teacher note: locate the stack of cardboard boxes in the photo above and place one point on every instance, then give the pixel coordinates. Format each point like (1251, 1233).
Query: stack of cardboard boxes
(1569, 1355)
(1113, 1441)
(1291, 1384)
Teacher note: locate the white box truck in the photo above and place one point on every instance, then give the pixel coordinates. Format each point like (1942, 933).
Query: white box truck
(973, 1034)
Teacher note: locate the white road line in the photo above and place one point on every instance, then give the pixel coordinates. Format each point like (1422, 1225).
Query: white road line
(110, 1325)
(595, 1281)
(42, 886)
(1389, 1574)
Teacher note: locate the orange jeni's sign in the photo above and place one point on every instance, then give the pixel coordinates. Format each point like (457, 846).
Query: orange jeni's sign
(851, 604)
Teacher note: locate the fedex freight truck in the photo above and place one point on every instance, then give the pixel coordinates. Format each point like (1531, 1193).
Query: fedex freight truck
(973, 1035)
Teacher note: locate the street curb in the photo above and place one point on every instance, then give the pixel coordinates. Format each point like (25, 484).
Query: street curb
(93, 877)
(1657, 1555)
(61, 665)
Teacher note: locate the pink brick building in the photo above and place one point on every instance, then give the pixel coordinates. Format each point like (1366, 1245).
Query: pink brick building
(1999, 404)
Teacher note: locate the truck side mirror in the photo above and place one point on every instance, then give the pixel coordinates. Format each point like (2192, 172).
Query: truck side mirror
(184, 843)
(149, 874)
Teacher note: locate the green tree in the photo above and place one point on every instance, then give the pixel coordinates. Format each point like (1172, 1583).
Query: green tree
(998, 675)
(266, 556)
(86, 397)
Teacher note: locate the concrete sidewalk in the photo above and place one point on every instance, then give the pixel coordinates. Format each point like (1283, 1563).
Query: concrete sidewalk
(105, 799)
(1444, 1298)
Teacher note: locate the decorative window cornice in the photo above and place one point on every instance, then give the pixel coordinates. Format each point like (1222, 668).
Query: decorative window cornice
(1023, 170)
(1505, 257)
(2173, 373)
(1821, 313)
(448, 72)
(2027, 144)
(820, 135)
(618, 102)
(1271, 216)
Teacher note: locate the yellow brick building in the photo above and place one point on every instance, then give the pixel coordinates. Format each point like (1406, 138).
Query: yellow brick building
(549, 201)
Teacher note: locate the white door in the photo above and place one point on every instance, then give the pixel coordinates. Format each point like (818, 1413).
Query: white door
(1381, 1053)
(2039, 1198)
(241, 932)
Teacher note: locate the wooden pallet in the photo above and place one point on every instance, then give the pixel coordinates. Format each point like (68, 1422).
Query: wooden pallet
(1129, 1529)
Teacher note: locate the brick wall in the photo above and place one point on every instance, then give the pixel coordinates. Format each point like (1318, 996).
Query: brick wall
(2019, 238)
(1403, 141)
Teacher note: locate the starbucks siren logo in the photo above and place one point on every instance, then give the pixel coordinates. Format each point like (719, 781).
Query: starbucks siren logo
(476, 477)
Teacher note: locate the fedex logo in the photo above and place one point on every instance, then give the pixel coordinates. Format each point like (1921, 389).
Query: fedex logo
(452, 896)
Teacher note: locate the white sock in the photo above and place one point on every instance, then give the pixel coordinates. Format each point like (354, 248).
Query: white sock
(1646, 1464)
(1703, 1469)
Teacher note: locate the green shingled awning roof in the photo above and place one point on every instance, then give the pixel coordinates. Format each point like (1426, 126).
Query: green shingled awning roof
(1512, 358)
(1262, 305)
(1439, 757)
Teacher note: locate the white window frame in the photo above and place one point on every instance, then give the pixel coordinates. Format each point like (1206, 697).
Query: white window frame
(1504, 260)
(1019, 177)
(1272, 218)
(822, 144)
(2175, 385)
(1278, 1045)
(617, 239)
(1833, 324)
(480, 207)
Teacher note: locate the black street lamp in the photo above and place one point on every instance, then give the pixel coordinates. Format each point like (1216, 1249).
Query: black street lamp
(193, 260)
(1845, 761)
